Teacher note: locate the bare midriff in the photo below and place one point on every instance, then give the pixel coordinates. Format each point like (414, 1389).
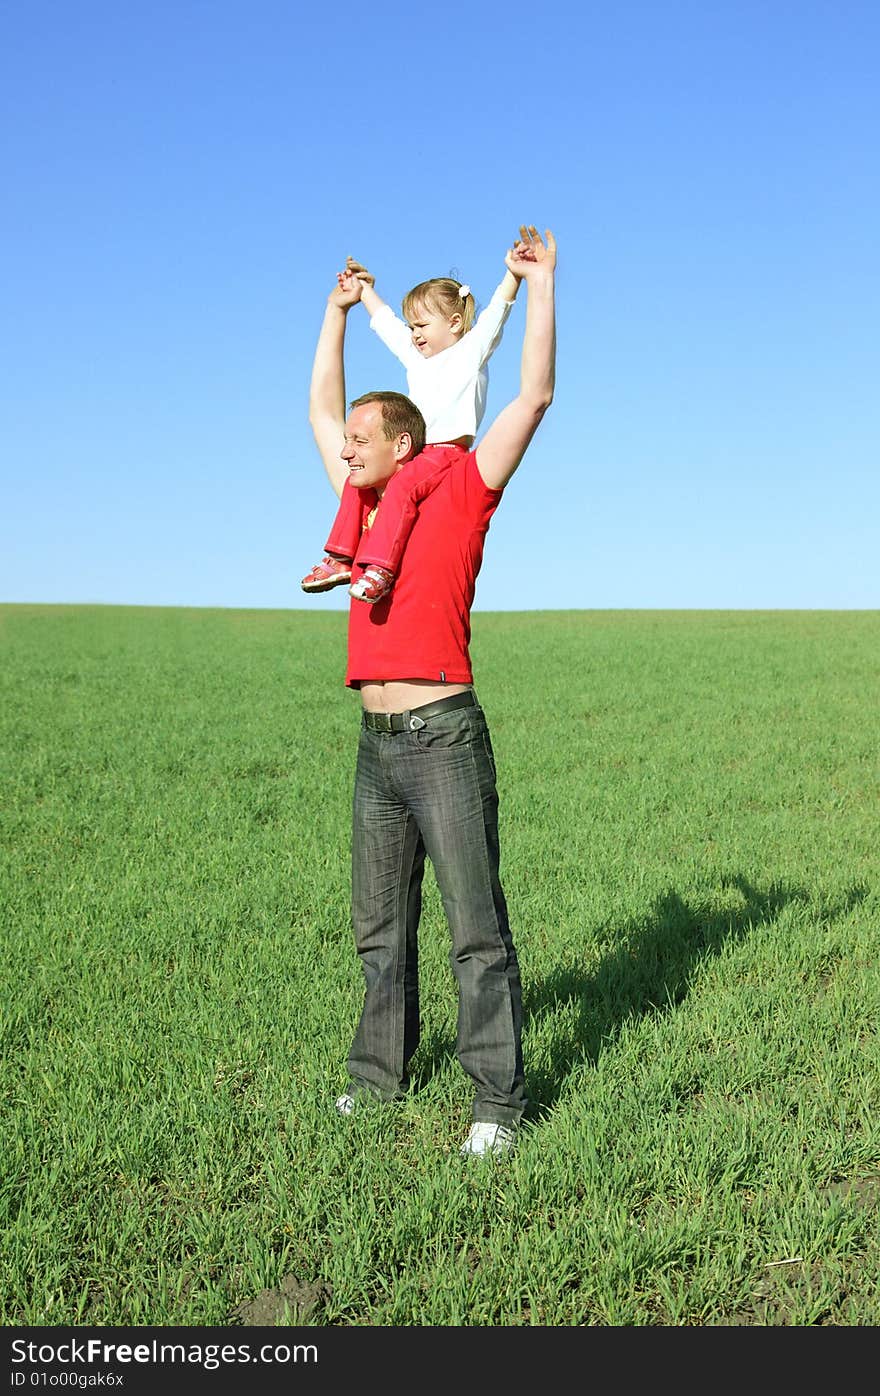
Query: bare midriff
(399, 695)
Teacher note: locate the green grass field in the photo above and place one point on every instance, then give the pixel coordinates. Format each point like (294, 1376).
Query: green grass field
(690, 854)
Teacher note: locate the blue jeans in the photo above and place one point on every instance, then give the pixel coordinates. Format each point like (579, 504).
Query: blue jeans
(431, 791)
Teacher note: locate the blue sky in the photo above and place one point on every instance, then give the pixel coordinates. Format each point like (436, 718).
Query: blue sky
(181, 181)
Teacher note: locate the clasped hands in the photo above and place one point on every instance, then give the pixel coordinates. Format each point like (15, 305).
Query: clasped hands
(529, 251)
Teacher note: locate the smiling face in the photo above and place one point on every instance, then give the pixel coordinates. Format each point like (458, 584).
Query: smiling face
(432, 331)
(371, 457)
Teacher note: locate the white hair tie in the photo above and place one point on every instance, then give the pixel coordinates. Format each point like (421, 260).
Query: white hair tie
(464, 291)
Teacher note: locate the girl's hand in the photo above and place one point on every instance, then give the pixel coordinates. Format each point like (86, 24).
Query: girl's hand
(355, 269)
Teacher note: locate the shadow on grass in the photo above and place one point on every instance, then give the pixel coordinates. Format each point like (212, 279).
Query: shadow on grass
(648, 972)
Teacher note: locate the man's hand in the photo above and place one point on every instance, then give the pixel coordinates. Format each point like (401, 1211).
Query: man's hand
(355, 271)
(530, 255)
(347, 291)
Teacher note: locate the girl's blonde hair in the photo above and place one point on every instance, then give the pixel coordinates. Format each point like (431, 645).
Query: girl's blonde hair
(442, 294)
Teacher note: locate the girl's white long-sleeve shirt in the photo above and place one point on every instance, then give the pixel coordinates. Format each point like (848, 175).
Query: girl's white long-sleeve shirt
(448, 388)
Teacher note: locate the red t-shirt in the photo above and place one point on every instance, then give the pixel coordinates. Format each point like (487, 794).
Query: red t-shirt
(422, 629)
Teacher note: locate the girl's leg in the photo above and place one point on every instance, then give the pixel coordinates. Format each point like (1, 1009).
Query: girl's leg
(383, 545)
(341, 546)
(345, 535)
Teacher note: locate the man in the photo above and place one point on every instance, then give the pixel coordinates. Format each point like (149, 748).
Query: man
(425, 778)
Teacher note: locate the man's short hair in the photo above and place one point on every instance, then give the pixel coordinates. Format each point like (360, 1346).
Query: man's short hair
(399, 414)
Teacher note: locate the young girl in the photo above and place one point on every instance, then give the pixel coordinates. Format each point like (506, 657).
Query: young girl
(444, 350)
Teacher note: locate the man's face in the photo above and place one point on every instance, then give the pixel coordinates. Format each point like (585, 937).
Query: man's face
(371, 458)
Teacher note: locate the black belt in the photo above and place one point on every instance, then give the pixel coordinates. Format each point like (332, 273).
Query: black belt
(414, 718)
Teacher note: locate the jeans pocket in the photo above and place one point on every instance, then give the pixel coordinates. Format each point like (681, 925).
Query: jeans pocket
(456, 728)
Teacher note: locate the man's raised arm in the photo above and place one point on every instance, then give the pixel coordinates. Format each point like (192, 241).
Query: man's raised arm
(502, 448)
(327, 388)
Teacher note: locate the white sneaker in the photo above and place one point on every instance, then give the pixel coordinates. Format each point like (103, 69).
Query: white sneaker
(489, 1139)
(345, 1104)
